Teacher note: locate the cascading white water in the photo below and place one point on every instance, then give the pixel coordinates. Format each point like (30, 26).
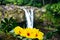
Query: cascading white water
(29, 17)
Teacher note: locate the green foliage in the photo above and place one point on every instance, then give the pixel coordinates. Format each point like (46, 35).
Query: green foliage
(58, 29)
(8, 24)
(18, 2)
(34, 3)
(10, 1)
(37, 3)
(50, 35)
(21, 2)
(55, 8)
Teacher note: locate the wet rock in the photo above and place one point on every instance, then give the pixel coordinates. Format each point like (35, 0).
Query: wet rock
(18, 13)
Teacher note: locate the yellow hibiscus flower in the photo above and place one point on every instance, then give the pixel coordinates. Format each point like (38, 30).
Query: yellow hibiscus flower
(18, 30)
(29, 33)
(23, 33)
(39, 35)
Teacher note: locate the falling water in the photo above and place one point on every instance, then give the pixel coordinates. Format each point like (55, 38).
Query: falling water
(29, 17)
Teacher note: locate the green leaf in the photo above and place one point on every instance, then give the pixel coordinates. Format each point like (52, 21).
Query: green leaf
(8, 24)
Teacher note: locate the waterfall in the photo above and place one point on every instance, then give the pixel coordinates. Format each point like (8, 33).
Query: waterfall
(29, 17)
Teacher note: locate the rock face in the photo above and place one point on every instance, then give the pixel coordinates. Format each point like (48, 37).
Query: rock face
(17, 13)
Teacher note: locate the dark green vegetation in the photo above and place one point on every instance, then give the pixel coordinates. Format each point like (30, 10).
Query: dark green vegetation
(37, 3)
(8, 24)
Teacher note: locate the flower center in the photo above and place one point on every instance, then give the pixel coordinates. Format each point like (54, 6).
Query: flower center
(28, 34)
(19, 32)
(36, 35)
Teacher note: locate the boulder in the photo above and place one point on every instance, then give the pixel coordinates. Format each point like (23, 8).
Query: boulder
(18, 13)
